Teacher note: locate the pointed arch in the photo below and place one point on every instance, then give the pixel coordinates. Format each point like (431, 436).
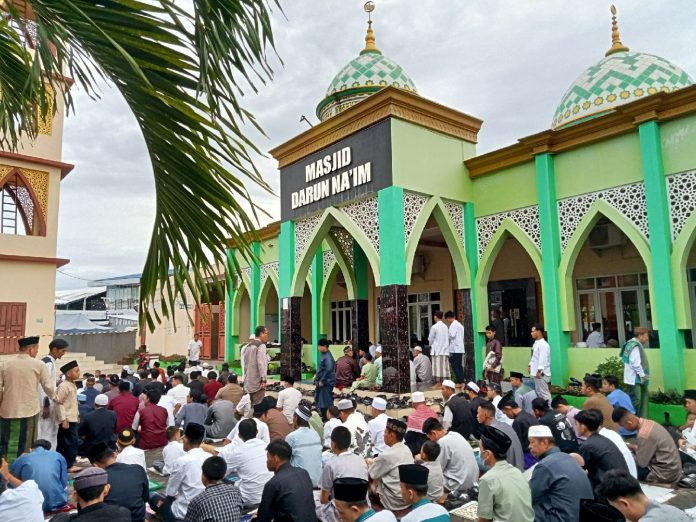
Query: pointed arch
(270, 282)
(236, 306)
(331, 217)
(437, 209)
(37, 211)
(680, 255)
(507, 228)
(329, 280)
(597, 210)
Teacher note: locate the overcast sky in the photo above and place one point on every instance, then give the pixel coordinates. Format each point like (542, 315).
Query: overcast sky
(506, 62)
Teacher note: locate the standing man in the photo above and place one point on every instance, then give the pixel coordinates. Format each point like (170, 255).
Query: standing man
(67, 415)
(256, 366)
(48, 425)
(498, 326)
(194, 350)
(637, 369)
(456, 347)
(439, 349)
(493, 363)
(540, 364)
(325, 378)
(19, 398)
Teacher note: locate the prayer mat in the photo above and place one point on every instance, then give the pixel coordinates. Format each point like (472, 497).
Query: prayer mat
(17, 436)
(154, 486)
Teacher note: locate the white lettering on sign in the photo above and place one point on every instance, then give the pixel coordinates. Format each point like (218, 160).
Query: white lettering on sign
(339, 182)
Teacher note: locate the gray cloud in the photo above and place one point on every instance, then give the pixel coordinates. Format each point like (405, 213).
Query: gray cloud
(506, 62)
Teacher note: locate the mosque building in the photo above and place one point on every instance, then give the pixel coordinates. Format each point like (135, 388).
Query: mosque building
(596, 224)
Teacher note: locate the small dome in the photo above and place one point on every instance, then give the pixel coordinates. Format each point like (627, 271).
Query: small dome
(617, 79)
(364, 75)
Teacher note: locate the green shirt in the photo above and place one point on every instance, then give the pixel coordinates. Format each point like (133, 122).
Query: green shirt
(504, 495)
(369, 373)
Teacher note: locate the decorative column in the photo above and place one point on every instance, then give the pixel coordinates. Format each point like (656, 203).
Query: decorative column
(664, 315)
(231, 340)
(255, 287)
(474, 341)
(360, 317)
(549, 233)
(317, 281)
(393, 317)
(290, 312)
(463, 309)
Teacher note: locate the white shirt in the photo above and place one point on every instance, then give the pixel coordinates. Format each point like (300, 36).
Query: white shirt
(328, 429)
(262, 433)
(376, 428)
(288, 400)
(412, 372)
(132, 455)
(447, 416)
(22, 504)
(358, 431)
(439, 339)
(541, 358)
(168, 403)
(634, 367)
(244, 406)
(595, 340)
(623, 448)
(194, 350)
(185, 481)
(456, 337)
(179, 393)
(170, 454)
(248, 461)
(499, 415)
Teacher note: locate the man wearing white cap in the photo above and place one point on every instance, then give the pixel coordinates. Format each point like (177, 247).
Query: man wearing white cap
(355, 422)
(415, 437)
(558, 483)
(424, 369)
(457, 415)
(98, 426)
(377, 425)
(378, 364)
(471, 390)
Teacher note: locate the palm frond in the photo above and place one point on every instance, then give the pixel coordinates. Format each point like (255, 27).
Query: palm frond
(181, 73)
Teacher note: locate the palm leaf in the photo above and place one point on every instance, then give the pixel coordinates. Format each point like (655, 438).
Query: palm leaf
(181, 72)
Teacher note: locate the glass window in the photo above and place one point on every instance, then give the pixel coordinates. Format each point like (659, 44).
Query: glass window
(628, 280)
(434, 296)
(606, 282)
(644, 279)
(586, 283)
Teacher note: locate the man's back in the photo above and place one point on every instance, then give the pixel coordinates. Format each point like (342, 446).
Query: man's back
(562, 431)
(504, 494)
(515, 454)
(97, 513)
(231, 392)
(345, 370)
(153, 427)
(219, 502)
(521, 426)
(248, 461)
(601, 455)
(49, 470)
(288, 400)
(278, 426)
(288, 497)
(125, 405)
(306, 451)
(185, 481)
(601, 403)
(220, 420)
(129, 488)
(458, 462)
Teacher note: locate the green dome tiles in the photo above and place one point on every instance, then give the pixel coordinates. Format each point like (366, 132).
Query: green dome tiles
(620, 78)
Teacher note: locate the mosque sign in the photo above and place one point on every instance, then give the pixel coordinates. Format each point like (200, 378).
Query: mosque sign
(347, 170)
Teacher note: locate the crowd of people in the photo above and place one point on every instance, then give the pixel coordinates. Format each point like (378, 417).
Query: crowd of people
(229, 449)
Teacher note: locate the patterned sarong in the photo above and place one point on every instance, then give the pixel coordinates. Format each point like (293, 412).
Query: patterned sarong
(17, 436)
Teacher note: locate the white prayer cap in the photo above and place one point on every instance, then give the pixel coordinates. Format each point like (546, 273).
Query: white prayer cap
(473, 387)
(101, 400)
(540, 431)
(378, 403)
(378, 349)
(417, 349)
(418, 397)
(345, 404)
(449, 384)
(126, 367)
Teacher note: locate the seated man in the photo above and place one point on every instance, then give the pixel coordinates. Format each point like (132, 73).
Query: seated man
(503, 491)
(423, 367)
(415, 437)
(91, 487)
(459, 466)
(384, 469)
(306, 444)
(656, 454)
(19, 501)
(127, 452)
(220, 419)
(350, 496)
(278, 427)
(355, 422)
(220, 500)
(560, 427)
(98, 426)
(289, 398)
(624, 493)
(368, 375)
(414, 491)
(48, 469)
(172, 451)
(128, 483)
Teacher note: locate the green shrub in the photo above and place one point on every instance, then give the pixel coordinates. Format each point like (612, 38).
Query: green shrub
(669, 397)
(612, 366)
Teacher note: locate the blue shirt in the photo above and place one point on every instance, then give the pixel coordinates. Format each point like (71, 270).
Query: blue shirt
(91, 394)
(558, 484)
(620, 398)
(306, 452)
(50, 472)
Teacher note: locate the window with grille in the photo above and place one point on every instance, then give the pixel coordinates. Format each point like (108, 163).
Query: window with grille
(18, 212)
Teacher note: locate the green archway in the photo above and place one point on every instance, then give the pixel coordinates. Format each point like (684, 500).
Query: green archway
(436, 208)
(236, 307)
(597, 210)
(680, 255)
(270, 282)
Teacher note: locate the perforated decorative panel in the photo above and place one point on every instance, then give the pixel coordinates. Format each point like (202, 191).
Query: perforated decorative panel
(627, 199)
(38, 179)
(303, 231)
(329, 259)
(456, 214)
(246, 273)
(365, 215)
(266, 269)
(526, 218)
(413, 206)
(681, 191)
(344, 241)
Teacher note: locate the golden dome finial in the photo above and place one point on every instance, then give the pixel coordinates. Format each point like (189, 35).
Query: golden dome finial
(370, 36)
(616, 45)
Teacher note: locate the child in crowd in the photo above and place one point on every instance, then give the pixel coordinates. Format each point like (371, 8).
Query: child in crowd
(331, 423)
(429, 453)
(172, 451)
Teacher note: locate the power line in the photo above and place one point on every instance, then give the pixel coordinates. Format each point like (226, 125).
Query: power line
(74, 276)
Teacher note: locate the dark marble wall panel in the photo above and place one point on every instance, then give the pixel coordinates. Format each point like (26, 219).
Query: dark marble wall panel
(462, 301)
(290, 337)
(360, 325)
(393, 327)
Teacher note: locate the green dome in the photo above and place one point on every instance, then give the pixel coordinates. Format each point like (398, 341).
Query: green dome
(362, 76)
(619, 78)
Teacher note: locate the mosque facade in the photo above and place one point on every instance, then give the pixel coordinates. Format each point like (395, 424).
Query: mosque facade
(389, 214)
